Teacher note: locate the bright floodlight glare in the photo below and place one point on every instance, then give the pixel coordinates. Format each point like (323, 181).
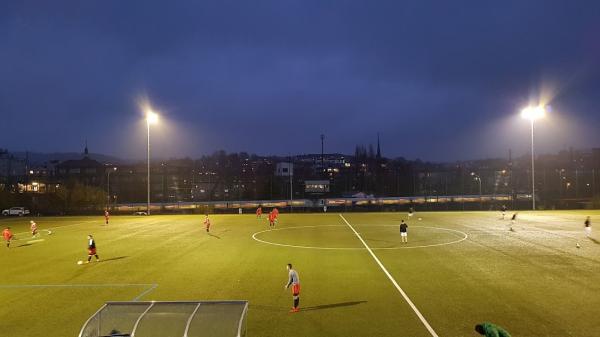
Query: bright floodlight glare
(533, 112)
(151, 117)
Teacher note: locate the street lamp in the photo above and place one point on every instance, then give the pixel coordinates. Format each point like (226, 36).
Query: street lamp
(478, 179)
(151, 118)
(532, 113)
(108, 186)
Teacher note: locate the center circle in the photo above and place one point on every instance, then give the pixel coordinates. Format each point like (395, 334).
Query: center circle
(340, 237)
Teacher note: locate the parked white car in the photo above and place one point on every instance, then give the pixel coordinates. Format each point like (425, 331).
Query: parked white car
(19, 211)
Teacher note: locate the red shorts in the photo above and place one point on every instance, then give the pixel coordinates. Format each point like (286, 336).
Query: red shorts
(91, 251)
(295, 289)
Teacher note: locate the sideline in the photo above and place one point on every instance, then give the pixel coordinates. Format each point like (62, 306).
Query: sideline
(150, 286)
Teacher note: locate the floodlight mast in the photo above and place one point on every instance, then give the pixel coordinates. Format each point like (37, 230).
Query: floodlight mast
(533, 113)
(151, 118)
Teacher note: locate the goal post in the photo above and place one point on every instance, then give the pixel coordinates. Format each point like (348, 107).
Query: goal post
(159, 319)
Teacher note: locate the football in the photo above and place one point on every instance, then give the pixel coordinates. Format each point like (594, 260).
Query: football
(79, 262)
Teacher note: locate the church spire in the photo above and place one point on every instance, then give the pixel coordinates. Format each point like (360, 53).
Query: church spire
(85, 151)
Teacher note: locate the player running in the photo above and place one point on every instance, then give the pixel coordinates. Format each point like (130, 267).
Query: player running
(411, 212)
(34, 229)
(259, 212)
(491, 330)
(404, 231)
(92, 249)
(7, 235)
(513, 221)
(106, 216)
(503, 210)
(207, 223)
(588, 227)
(294, 281)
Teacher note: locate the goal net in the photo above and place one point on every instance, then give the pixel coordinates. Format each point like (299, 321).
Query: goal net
(160, 319)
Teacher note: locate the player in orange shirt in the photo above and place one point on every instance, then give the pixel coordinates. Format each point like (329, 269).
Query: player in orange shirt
(276, 214)
(207, 223)
(272, 219)
(259, 212)
(7, 234)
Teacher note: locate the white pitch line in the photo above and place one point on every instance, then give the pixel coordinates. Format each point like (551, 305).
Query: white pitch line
(151, 286)
(59, 227)
(406, 298)
(145, 292)
(255, 237)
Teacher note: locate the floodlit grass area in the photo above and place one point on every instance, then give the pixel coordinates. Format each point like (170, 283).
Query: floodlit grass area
(533, 281)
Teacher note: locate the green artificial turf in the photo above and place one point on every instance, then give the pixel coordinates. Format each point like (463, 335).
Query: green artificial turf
(533, 281)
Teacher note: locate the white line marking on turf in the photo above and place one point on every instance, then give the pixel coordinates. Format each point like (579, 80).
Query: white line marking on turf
(77, 285)
(137, 298)
(413, 307)
(58, 227)
(254, 236)
(151, 286)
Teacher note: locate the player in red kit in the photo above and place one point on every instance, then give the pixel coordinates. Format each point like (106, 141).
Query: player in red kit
(259, 212)
(271, 219)
(7, 234)
(275, 214)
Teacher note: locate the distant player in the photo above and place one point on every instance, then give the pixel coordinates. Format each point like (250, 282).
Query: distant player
(588, 227)
(33, 227)
(513, 221)
(491, 330)
(404, 231)
(7, 235)
(106, 216)
(207, 223)
(92, 249)
(272, 219)
(503, 210)
(411, 212)
(294, 281)
(259, 212)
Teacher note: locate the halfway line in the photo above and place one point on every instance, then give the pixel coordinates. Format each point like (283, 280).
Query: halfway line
(410, 303)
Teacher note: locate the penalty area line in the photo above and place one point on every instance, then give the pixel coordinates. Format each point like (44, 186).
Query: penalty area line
(406, 298)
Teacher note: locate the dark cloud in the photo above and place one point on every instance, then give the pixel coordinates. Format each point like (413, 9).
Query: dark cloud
(270, 76)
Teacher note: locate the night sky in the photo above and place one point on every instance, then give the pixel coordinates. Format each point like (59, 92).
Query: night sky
(440, 80)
